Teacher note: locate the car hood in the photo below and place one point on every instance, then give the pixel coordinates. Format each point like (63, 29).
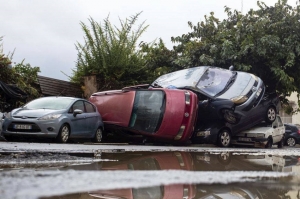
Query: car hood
(20, 112)
(241, 86)
(255, 130)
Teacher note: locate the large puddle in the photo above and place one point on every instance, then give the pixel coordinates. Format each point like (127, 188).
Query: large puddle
(149, 175)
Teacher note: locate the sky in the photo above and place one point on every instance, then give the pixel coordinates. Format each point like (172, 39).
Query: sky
(43, 33)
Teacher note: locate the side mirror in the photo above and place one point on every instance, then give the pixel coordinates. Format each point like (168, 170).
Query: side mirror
(77, 111)
(231, 68)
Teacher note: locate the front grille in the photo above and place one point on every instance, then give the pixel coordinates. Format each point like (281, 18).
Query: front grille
(249, 93)
(259, 97)
(20, 117)
(34, 128)
(255, 83)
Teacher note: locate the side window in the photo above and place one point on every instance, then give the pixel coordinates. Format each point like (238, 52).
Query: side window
(77, 105)
(89, 107)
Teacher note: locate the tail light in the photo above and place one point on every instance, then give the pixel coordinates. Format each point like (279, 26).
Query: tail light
(187, 98)
(299, 131)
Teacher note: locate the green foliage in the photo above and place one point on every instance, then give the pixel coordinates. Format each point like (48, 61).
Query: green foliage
(110, 53)
(22, 75)
(26, 79)
(265, 42)
(159, 59)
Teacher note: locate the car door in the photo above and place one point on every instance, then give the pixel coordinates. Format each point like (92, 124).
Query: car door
(281, 128)
(91, 119)
(277, 130)
(78, 124)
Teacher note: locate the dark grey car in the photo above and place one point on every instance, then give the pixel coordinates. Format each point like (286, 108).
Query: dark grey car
(62, 118)
(224, 94)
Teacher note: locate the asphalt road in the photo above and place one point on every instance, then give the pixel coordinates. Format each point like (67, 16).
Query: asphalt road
(50, 170)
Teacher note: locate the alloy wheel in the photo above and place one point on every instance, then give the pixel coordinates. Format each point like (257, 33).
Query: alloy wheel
(271, 114)
(64, 134)
(291, 141)
(225, 139)
(98, 135)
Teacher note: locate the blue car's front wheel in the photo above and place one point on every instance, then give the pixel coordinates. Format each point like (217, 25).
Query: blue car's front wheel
(63, 134)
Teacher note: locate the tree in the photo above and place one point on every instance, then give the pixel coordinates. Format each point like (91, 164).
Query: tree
(111, 54)
(23, 76)
(265, 42)
(159, 59)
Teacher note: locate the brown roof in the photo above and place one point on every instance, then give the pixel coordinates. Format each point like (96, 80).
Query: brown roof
(56, 87)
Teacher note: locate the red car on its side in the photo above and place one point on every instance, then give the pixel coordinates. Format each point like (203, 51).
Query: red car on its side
(165, 114)
(150, 161)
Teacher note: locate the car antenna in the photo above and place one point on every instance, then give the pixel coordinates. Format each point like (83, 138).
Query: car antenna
(61, 92)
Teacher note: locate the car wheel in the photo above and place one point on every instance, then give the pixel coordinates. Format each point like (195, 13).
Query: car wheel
(224, 158)
(269, 143)
(98, 136)
(290, 141)
(63, 134)
(271, 114)
(280, 144)
(229, 116)
(224, 138)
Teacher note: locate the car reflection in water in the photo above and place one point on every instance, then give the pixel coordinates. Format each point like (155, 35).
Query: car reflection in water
(193, 161)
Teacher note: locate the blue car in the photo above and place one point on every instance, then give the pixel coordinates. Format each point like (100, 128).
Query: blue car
(292, 135)
(62, 118)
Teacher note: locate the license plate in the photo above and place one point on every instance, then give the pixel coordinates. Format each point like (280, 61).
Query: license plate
(245, 139)
(22, 126)
(200, 134)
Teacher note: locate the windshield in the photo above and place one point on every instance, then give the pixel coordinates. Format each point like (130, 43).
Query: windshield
(148, 109)
(214, 81)
(182, 78)
(49, 103)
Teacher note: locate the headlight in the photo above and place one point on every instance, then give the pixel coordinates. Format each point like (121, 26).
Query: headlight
(50, 117)
(254, 77)
(239, 99)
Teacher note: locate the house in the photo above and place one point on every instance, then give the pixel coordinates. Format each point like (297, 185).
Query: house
(53, 87)
(291, 118)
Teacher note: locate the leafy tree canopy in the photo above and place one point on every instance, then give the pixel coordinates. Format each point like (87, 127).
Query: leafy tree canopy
(265, 42)
(22, 75)
(111, 53)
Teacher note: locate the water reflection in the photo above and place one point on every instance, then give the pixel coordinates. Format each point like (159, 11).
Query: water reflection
(197, 161)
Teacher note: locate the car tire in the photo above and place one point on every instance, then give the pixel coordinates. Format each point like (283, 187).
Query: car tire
(280, 144)
(290, 141)
(64, 133)
(224, 158)
(271, 114)
(229, 116)
(224, 138)
(98, 136)
(269, 144)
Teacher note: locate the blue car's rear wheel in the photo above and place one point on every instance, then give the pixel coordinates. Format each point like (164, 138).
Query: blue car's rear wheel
(98, 136)
(63, 135)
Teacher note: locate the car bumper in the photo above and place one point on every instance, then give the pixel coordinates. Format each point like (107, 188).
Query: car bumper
(47, 129)
(256, 142)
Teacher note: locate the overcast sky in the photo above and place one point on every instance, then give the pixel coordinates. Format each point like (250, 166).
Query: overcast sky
(44, 32)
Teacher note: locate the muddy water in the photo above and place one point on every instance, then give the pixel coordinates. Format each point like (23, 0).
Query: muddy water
(208, 175)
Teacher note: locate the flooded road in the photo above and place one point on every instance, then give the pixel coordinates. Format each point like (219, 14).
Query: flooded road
(86, 171)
